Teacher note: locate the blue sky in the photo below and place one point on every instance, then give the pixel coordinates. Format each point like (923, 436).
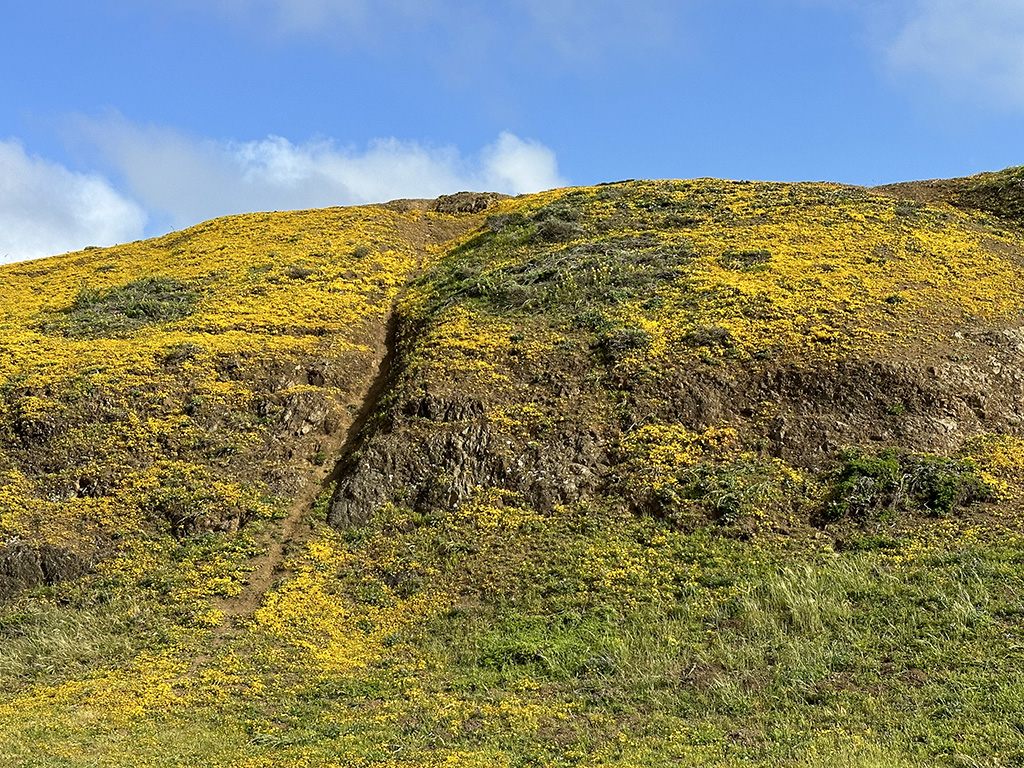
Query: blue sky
(125, 119)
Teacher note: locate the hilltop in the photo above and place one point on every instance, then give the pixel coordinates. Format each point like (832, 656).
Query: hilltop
(647, 473)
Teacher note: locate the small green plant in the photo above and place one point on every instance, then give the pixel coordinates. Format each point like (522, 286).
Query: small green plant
(896, 408)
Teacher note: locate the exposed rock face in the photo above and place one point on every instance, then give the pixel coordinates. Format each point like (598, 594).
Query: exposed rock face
(467, 202)
(435, 453)
(23, 566)
(804, 415)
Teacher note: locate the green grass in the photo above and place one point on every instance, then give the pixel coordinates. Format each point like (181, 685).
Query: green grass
(44, 637)
(588, 639)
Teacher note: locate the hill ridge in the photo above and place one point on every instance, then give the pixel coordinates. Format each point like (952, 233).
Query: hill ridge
(647, 473)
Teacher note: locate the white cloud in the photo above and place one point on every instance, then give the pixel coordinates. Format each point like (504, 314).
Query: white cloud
(46, 208)
(514, 165)
(972, 46)
(189, 179)
(180, 180)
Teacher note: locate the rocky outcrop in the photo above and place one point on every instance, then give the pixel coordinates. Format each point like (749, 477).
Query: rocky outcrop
(467, 202)
(805, 414)
(432, 452)
(435, 453)
(23, 566)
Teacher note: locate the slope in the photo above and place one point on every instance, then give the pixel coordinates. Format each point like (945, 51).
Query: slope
(658, 473)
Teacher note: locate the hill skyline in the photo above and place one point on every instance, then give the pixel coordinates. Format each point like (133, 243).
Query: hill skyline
(109, 133)
(512, 384)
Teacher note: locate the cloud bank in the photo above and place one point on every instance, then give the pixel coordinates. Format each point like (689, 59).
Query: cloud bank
(186, 179)
(178, 180)
(972, 46)
(46, 208)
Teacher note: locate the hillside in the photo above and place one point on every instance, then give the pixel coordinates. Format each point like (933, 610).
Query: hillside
(652, 473)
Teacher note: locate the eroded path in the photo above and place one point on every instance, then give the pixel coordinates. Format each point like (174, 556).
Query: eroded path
(296, 528)
(286, 537)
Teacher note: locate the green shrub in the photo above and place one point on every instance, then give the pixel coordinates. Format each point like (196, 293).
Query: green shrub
(123, 309)
(615, 344)
(877, 486)
(557, 230)
(504, 222)
(728, 493)
(575, 277)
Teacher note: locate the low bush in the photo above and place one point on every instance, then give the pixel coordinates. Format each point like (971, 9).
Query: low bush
(875, 486)
(615, 344)
(123, 309)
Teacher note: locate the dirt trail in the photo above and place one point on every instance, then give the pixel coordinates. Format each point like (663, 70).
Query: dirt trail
(296, 528)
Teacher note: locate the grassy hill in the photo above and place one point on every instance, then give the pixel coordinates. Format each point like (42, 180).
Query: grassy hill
(652, 473)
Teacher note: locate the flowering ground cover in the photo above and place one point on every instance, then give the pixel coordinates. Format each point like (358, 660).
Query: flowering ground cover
(645, 474)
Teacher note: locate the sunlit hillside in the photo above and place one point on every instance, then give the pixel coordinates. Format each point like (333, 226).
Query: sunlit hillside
(653, 473)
